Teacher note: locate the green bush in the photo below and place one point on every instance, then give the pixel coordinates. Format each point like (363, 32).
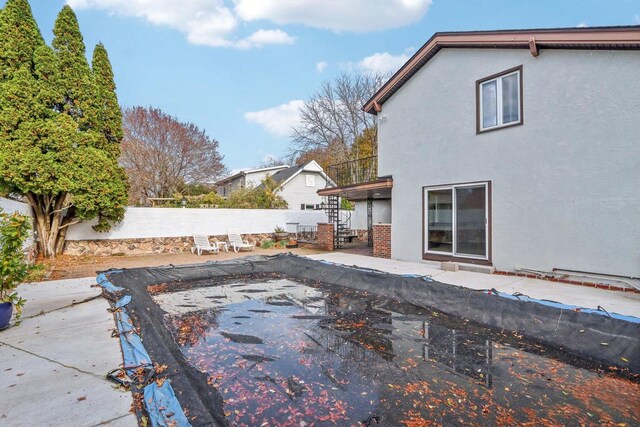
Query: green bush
(14, 230)
(264, 196)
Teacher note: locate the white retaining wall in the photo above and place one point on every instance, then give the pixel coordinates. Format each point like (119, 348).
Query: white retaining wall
(179, 222)
(11, 206)
(381, 214)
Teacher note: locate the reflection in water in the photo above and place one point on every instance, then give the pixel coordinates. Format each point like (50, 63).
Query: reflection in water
(282, 353)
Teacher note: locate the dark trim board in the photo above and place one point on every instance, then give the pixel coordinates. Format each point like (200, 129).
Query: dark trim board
(453, 258)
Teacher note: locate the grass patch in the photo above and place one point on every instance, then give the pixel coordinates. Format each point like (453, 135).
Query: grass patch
(37, 273)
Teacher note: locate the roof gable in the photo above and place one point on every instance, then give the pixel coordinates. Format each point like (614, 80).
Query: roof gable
(618, 38)
(249, 172)
(284, 176)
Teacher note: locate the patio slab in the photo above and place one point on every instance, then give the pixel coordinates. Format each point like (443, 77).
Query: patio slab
(626, 303)
(54, 364)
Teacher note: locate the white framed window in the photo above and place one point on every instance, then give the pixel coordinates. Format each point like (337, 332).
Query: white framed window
(499, 100)
(456, 220)
(310, 180)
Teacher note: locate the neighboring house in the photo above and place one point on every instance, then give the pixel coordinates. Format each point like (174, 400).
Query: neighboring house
(517, 149)
(247, 178)
(298, 185)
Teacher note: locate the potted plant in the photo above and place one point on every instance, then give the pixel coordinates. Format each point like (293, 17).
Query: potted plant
(14, 229)
(280, 234)
(292, 244)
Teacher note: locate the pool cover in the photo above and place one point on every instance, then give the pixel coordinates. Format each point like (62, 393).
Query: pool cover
(289, 341)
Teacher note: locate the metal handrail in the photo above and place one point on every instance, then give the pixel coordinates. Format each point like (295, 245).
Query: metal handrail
(307, 233)
(354, 171)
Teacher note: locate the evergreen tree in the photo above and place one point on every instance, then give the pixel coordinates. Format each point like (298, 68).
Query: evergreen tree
(51, 144)
(76, 78)
(109, 114)
(19, 37)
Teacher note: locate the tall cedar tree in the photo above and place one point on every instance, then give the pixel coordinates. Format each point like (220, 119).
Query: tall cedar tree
(52, 129)
(109, 113)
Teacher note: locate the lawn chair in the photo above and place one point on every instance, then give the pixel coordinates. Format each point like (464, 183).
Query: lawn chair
(201, 244)
(236, 242)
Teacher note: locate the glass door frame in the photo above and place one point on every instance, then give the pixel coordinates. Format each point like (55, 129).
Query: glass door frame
(453, 255)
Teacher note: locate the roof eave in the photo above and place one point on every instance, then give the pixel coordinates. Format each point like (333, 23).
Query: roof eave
(627, 37)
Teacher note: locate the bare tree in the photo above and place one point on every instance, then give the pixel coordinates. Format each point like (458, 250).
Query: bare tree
(272, 160)
(333, 116)
(161, 154)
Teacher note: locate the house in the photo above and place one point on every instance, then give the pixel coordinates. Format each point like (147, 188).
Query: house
(245, 178)
(297, 185)
(516, 151)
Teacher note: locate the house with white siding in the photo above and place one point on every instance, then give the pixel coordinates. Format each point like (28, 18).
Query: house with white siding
(297, 185)
(246, 179)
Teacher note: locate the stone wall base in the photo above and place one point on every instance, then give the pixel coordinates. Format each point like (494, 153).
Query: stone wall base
(31, 253)
(148, 246)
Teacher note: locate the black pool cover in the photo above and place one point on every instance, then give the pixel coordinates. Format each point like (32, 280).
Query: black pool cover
(289, 341)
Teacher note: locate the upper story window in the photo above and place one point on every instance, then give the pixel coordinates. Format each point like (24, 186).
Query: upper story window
(499, 100)
(310, 180)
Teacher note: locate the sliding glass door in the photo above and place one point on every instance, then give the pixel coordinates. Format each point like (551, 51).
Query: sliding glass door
(457, 220)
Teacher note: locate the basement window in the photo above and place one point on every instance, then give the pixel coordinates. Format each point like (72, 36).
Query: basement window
(499, 100)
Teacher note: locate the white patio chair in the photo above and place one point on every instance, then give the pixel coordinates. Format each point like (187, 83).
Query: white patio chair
(201, 244)
(236, 242)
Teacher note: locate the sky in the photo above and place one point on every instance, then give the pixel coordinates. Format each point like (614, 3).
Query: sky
(241, 69)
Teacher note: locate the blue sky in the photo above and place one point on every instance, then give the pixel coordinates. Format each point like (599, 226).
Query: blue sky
(239, 69)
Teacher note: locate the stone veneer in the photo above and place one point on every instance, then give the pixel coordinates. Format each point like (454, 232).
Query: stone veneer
(148, 246)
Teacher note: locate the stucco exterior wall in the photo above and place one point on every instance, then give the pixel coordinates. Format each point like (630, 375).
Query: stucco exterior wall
(296, 192)
(565, 184)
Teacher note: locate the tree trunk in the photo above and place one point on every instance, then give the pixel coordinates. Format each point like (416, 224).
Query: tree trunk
(49, 214)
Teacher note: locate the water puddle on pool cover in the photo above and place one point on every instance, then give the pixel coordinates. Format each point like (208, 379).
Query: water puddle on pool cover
(282, 353)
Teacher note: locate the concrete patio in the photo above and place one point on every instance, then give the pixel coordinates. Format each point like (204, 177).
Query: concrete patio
(54, 364)
(627, 303)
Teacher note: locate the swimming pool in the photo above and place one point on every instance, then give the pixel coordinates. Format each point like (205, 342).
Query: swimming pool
(247, 346)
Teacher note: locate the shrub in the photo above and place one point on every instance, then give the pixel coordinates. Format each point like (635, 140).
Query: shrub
(266, 244)
(14, 229)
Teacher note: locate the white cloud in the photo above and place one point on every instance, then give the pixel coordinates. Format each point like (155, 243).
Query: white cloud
(636, 19)
(204, 22)
(321, 66)
(336, 15)
(265, 37)
(383, 63)
(216, 22)
(277, 120)
(582, 25)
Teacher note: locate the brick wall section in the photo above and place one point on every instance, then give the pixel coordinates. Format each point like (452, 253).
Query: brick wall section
(325, 237)
(382, 240)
